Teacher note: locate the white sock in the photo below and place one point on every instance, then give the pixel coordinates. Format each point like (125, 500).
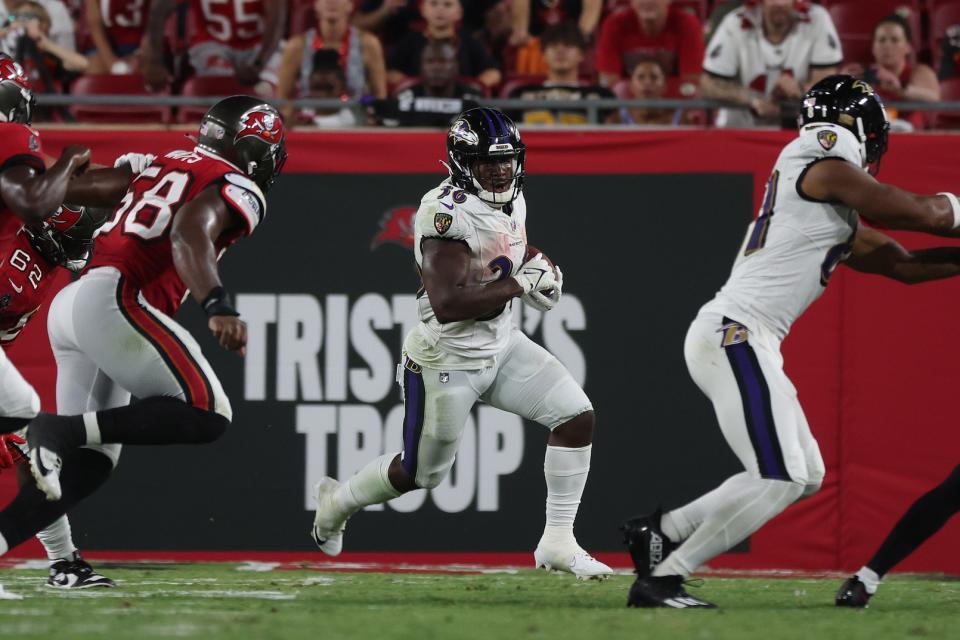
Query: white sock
(57, 539)
(371, 485)
(740, 506)
(680, 524)
(869, 578)
(92, 427)
(565, 471)
(4, 547)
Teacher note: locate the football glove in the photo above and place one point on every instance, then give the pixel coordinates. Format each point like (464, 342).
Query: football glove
(10, 453)
(547, 299)
(137, 161)
(536, 274)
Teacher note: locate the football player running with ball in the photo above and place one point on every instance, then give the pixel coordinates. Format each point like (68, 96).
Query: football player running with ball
(471, 250)
(179, 214)
(808, 224)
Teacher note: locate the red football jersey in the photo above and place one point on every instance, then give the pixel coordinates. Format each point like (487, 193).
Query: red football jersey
(23, 273)
(125, 20)
(137, 239)
(25, 279)
(236, 23)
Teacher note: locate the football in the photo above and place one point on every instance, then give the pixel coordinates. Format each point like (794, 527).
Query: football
(532, 252)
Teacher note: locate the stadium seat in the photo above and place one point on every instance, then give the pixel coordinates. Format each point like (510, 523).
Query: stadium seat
(949, 92)
(208, 86)
(855, 22)
(942, 16)
(128, 85)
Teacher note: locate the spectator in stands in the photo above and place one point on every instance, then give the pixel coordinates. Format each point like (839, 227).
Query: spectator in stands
(442, 18)
(891, 73)
(360, 54)
(231, 38)
(437, 99)
(27, 39)
(393, 19)
(532, 17)
(327, 80)
(950, 53)
(116, 30)
(649, 29)
(564, 48)
(764, 56)
(647, 82)
(61, 24)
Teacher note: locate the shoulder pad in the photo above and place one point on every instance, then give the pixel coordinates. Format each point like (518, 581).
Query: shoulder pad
(244, 196)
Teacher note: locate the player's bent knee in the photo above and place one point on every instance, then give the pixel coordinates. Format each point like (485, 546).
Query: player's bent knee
(811, 488)
(576, 431)
(211, 427)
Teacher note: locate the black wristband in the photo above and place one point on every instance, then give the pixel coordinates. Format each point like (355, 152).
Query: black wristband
(217, 303)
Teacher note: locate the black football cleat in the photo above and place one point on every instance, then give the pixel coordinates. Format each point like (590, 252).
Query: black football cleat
(666, 591)
(647, 543)
(76, 573)
(853, 593)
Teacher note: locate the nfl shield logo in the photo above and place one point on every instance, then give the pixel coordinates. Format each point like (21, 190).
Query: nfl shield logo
(442, 222)
(4, 300)
(827, 139)
(444, 377)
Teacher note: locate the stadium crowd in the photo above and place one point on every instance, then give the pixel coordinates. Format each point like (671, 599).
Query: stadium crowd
(420, 62)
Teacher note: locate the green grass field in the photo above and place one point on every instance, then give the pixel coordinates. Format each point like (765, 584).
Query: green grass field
(230, 601)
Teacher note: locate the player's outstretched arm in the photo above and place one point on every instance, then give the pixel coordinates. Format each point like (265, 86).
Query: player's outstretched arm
(196, 228)
(876, 252)
(35, 196)
(445, 272)
(836, 180)
(99, 187)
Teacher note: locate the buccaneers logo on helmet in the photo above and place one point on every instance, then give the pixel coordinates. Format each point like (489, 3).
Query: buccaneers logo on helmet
(10, 69)
(263, 124)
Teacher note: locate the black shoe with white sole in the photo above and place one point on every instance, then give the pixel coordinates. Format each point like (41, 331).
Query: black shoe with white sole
(76, 573)
(646, 541)
(853, 593)
(665, 591)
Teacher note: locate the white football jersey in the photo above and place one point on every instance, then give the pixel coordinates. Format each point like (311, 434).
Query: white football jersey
(792, 248)
(497, 242)
(739, 51)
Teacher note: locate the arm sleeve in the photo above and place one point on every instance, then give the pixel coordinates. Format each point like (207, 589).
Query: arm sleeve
(827, 51)
(245, 199)
(609, 59)
(691, 46)
(723, 53)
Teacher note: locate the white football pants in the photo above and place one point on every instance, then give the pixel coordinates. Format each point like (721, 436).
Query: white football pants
(110, 343)
(526, 380)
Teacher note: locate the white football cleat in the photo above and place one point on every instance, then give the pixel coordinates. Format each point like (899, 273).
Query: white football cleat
(45, 467)
(328, 525)
(569, 557)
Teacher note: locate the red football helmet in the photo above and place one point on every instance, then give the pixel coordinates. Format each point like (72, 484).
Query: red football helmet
(16, 94)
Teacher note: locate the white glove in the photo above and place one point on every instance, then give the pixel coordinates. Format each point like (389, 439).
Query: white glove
(536, 274)
(546, 300)
(137, 161)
